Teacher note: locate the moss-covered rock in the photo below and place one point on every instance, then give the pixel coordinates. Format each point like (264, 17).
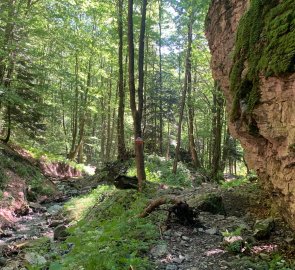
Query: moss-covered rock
(265, 45)
(211, 202)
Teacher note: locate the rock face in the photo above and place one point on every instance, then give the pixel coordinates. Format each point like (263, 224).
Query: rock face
(271, 151)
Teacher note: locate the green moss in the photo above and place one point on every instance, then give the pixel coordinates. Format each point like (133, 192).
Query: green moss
(292, 147)
(265, 44)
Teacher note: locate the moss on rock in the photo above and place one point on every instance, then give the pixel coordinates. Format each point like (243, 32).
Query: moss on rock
(265, 44)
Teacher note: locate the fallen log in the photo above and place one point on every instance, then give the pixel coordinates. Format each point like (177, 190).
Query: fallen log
(156, 203)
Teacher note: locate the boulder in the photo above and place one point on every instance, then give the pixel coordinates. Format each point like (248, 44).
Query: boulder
(159, 250)
(37, 207)
(263, 228)
(211, 203)
(35, 259)
(60, 233)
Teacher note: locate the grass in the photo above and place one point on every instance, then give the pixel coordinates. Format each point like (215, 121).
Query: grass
(235, 182)
(108, 234)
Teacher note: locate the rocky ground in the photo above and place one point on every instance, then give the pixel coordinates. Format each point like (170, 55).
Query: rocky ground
(42, 220)
(211, 247)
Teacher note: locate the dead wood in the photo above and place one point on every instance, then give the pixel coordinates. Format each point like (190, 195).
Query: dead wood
(156, 203)
(180, 212)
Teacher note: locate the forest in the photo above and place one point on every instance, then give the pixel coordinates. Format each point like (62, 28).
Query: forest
(116, 150)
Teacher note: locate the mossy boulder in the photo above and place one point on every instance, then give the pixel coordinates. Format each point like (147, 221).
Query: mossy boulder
(263, 228)
(211, 202)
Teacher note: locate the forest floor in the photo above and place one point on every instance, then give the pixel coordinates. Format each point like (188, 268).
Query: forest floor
(40, 238)
(188, 248)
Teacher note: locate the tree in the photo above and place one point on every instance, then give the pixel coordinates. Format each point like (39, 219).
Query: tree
(217, 124)
(120, 123)
(137, 109)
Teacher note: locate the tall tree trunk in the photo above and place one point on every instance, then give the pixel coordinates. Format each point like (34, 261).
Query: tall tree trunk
(184, 92)
(225, 150)
(121, 109)
(7, 85)
(108, 145)
(137, 112)
(77, 147)
(71, 155)
(192, 144)
(217, 111)
(160, 81)
(103, 127)
(168, 143)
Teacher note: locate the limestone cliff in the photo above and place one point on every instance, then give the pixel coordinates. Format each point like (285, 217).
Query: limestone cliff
(253, 59)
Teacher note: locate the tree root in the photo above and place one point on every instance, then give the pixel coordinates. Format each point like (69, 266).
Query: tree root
(180, 212)
(156, 203)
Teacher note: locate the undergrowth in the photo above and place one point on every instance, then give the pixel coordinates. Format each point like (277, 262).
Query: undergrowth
(48, 157)
(109, 234)
(235, 182)
(159, 170)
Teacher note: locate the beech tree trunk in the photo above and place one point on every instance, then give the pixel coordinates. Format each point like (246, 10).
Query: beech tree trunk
(217, 110)
(120, 124)
(187, 80)
(137, 109)
(192, 145)
(161, 126)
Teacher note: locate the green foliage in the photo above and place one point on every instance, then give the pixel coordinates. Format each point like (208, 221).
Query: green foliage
(235, 247)
(292, 147)
(235, 182)
(109, 234)
(159, 170)
(236, 232)
(265, 43)
(277, 262)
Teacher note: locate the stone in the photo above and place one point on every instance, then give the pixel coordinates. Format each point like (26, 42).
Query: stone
(185, 238)
(179, 259)
(263, 228)
(55, 223)
(171, 267)
(37, 207)
(211, 231)
(178, 234)
(289, 240)
(6, 233)
(211, 203)
(167, 233)
(54, 209)
(60, 233)
(35, 259)
(159, 250)
(2, 261)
